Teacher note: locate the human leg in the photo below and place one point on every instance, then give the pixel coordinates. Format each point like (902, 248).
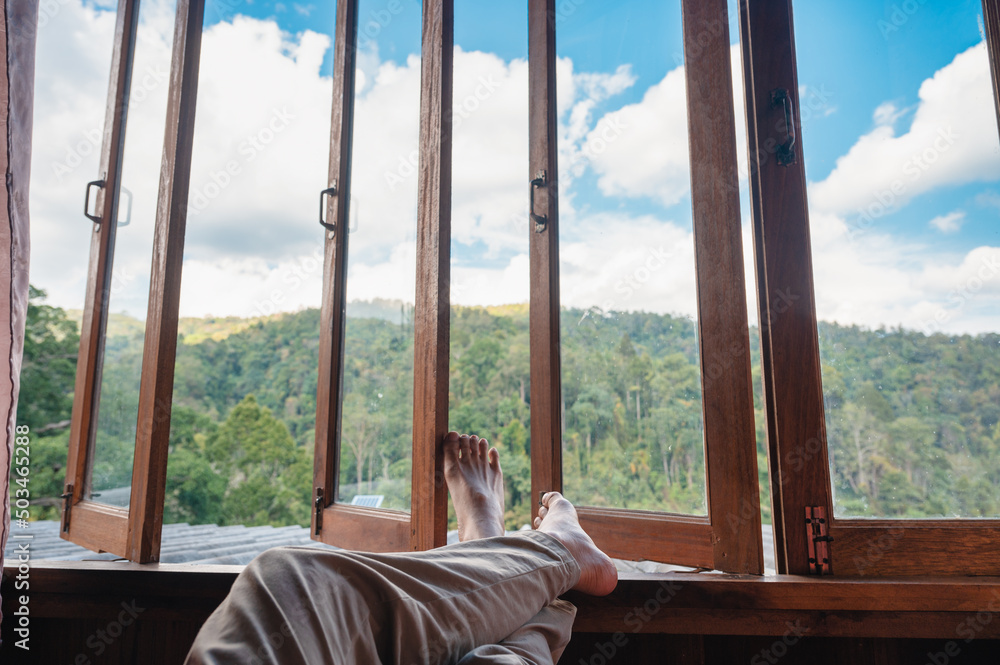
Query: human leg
(298, 605)
(541, 641)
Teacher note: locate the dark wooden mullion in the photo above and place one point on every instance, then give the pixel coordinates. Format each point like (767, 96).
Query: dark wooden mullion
(787, 303)
(333, 313)
(991, 21)
(111, 523)
(432, 316)
(546, 385)
(763, 326)
(727, 387)
(156, 387)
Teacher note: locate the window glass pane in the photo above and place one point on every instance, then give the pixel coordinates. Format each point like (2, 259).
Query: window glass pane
(489, 280)
(72, 61)
(750, 277)
(377, 421)
(244, 403)
(633, 435)
(903, 162)
(128, 296)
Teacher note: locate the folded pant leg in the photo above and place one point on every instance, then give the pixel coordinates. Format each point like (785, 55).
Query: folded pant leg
(541, 641)
(301, 605)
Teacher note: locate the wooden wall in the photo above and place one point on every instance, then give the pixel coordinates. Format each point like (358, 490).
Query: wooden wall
(118, 612)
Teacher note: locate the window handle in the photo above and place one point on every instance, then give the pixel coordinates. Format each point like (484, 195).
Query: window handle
(332, 191)
(541, 221)
(86, 200)
(785, 152)
(128, 208)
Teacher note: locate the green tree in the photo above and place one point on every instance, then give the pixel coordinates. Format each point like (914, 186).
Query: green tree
(268, 475)
(51, 344)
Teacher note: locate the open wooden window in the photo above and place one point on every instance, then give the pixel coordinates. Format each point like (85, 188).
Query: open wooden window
(121, 411)
(334, 520)
(726, 536)
(822, 523)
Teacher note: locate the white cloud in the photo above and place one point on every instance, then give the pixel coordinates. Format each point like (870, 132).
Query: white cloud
(253, 238)
(952, 140)
(641, 150)
(949, 223)
(618, 262)
(73, 57)
(883, 280)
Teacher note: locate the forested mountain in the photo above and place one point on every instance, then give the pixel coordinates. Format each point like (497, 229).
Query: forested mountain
(912, 420)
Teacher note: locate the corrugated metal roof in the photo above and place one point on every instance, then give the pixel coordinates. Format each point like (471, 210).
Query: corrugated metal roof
(238, 545)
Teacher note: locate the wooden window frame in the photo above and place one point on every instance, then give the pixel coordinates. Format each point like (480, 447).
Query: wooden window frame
(134, 532)
(729, 537)
(425, 526)
(793, 392)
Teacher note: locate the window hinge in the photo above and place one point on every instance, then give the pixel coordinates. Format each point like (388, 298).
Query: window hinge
(818, 540)
(67, 506)
(320, 505)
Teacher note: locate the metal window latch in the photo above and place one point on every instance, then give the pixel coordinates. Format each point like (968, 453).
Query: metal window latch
(541, 221)
(86, 200)
(785, 152)
(320, 505)
(67, 498)
(332, 191)
(818, 540)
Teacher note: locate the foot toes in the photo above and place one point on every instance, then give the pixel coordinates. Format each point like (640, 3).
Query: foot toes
(494, 455)
(537, 523)
(484, 447)
(463, 444)
(474, 446)
(550, 497)
(450, 444)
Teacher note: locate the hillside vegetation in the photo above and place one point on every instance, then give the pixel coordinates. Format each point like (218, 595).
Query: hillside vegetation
(912, 420)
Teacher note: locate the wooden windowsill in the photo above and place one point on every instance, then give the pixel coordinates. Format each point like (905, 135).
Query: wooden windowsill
(674, 603)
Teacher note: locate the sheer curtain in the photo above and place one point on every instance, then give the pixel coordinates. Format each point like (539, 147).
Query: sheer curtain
(17, 76)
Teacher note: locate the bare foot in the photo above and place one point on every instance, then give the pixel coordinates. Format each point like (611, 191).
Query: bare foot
(472, 470)
(557, 517)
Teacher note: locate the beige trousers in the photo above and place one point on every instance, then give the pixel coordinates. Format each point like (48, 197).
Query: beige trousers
(481, 601)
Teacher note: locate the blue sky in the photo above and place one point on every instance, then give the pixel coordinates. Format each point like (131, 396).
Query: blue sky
(876, 86)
